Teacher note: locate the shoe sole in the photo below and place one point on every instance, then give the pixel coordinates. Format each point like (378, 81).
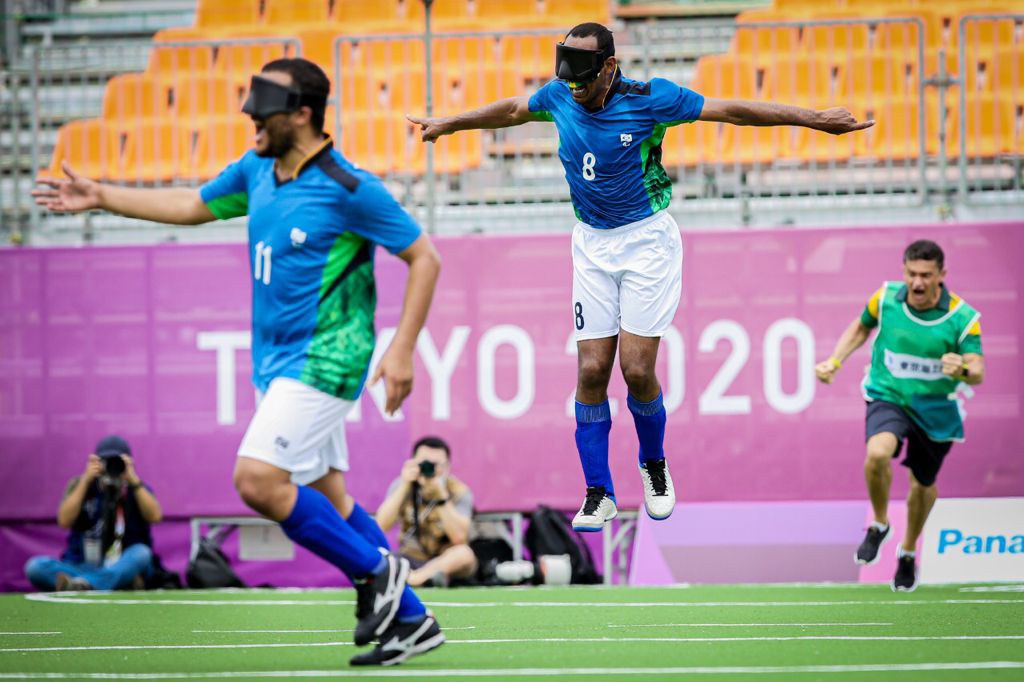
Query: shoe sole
(421, 648)
(903, 589)
(595, 529)
(655, 516)
(878, 555)
(403, 579)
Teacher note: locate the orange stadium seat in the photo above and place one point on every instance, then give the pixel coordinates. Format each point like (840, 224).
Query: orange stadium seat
(533, 55)
(374, 141)
(381, 55)
(134, 95)
(457, 53)
(758, 145)
(986, 34)
(291, 12)
(692, 144)
(455, 15)
(1008, 73)
(568, 13)
(822, 148)
(475, 86)
(829, 39)
(208, 95)
(726, 75)
(318, 47)
(220, 141)
(452, 153)
(360, 15)
(89, 146)
(991, 127)
(155, 151)
(244, 59)
(168, 62)
(222, 14)
(871, 77)
(763, 42)
(799, 80)
(898, 38)
(895, 134)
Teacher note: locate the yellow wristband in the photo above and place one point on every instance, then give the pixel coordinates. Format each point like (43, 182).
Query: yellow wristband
(835, 362)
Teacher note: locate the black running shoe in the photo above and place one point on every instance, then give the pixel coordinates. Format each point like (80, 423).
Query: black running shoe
(906, 575)
(377, 599)
(867, 553)
(402, 641)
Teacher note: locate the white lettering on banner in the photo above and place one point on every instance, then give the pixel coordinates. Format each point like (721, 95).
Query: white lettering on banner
(904, 366)
(226, 344)
(521, 342)
(441, 367)
(713, 400)
(787, 403)
(974, 540)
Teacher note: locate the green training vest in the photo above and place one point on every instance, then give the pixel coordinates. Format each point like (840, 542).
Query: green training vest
(906, 365)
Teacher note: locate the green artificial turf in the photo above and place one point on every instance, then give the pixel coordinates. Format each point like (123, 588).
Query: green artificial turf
(709, 632)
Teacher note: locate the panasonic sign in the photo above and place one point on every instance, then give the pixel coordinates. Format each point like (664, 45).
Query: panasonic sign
(974, 540)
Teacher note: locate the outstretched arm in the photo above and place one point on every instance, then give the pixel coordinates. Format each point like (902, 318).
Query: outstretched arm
(852, 338)
(747, 113)
(175, 205)
(504, 113)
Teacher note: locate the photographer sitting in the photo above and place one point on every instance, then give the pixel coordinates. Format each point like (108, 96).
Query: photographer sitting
(435, 510)
(109, 511)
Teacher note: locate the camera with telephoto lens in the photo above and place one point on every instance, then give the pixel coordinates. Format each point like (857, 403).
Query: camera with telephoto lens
(427, 468)
(113, 466)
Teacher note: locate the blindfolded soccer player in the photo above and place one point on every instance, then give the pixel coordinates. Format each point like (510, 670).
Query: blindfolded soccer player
(314, 222)
(627, 253)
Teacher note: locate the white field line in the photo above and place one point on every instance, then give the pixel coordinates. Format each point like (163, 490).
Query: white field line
(994, 588)
(532, 672)
(106, 600)
(529, 640)
(288, 632)
(745, 625)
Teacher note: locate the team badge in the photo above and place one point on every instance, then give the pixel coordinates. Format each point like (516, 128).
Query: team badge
(626, 139)
(298, 237)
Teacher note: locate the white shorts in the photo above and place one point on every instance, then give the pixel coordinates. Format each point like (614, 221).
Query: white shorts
(627, 278)
(299, 429)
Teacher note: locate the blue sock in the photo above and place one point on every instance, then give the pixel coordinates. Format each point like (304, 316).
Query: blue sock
(316, 525)
(410, 608)
(593, 423)
(649, 419)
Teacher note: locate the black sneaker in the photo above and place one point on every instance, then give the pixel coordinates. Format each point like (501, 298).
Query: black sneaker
(377, 599)
(867, 553)
(402, 641)
(906, 575)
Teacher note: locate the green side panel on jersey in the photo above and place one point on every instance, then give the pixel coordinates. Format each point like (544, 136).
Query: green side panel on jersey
(656, 182)
(229, 206)
(543, 116)
(339, 353)
(906, 367)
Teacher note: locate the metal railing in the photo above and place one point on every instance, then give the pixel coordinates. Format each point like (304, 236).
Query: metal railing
(511, 178)
(990, 121)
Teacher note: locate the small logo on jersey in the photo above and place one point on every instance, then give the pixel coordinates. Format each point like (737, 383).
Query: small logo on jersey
(626, 139)
(298, 237)
(281, 442)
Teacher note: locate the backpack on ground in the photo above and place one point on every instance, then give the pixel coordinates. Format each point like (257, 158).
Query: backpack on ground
(210, 567)
(550, 532)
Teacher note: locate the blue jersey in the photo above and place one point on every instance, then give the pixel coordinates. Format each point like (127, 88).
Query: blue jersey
(311, 243)
(612, 157)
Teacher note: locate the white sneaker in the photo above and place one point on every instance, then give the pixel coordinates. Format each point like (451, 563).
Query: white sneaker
(659, 493)
(597, 510)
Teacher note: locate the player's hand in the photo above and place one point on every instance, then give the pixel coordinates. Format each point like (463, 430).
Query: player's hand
(129, 470)
(93, 469)
(68, 195)
(410, 471)
(838, 121)
(396, 370)
(953, 365)
(432, 128)
(826, 371)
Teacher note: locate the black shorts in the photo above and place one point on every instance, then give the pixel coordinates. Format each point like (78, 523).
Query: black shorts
(924, 456)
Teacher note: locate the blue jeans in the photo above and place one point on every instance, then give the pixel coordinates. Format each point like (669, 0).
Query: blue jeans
(136, 560)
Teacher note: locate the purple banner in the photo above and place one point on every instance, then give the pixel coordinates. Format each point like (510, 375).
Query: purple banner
(151, 342)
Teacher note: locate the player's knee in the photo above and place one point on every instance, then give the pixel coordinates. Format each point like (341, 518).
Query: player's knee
(252, 489)
(593, 374)
(640, 378)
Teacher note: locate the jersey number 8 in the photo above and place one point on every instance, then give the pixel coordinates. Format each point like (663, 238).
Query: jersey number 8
(589, 160)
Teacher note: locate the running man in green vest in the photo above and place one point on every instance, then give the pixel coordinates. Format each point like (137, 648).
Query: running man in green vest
(927, 347)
